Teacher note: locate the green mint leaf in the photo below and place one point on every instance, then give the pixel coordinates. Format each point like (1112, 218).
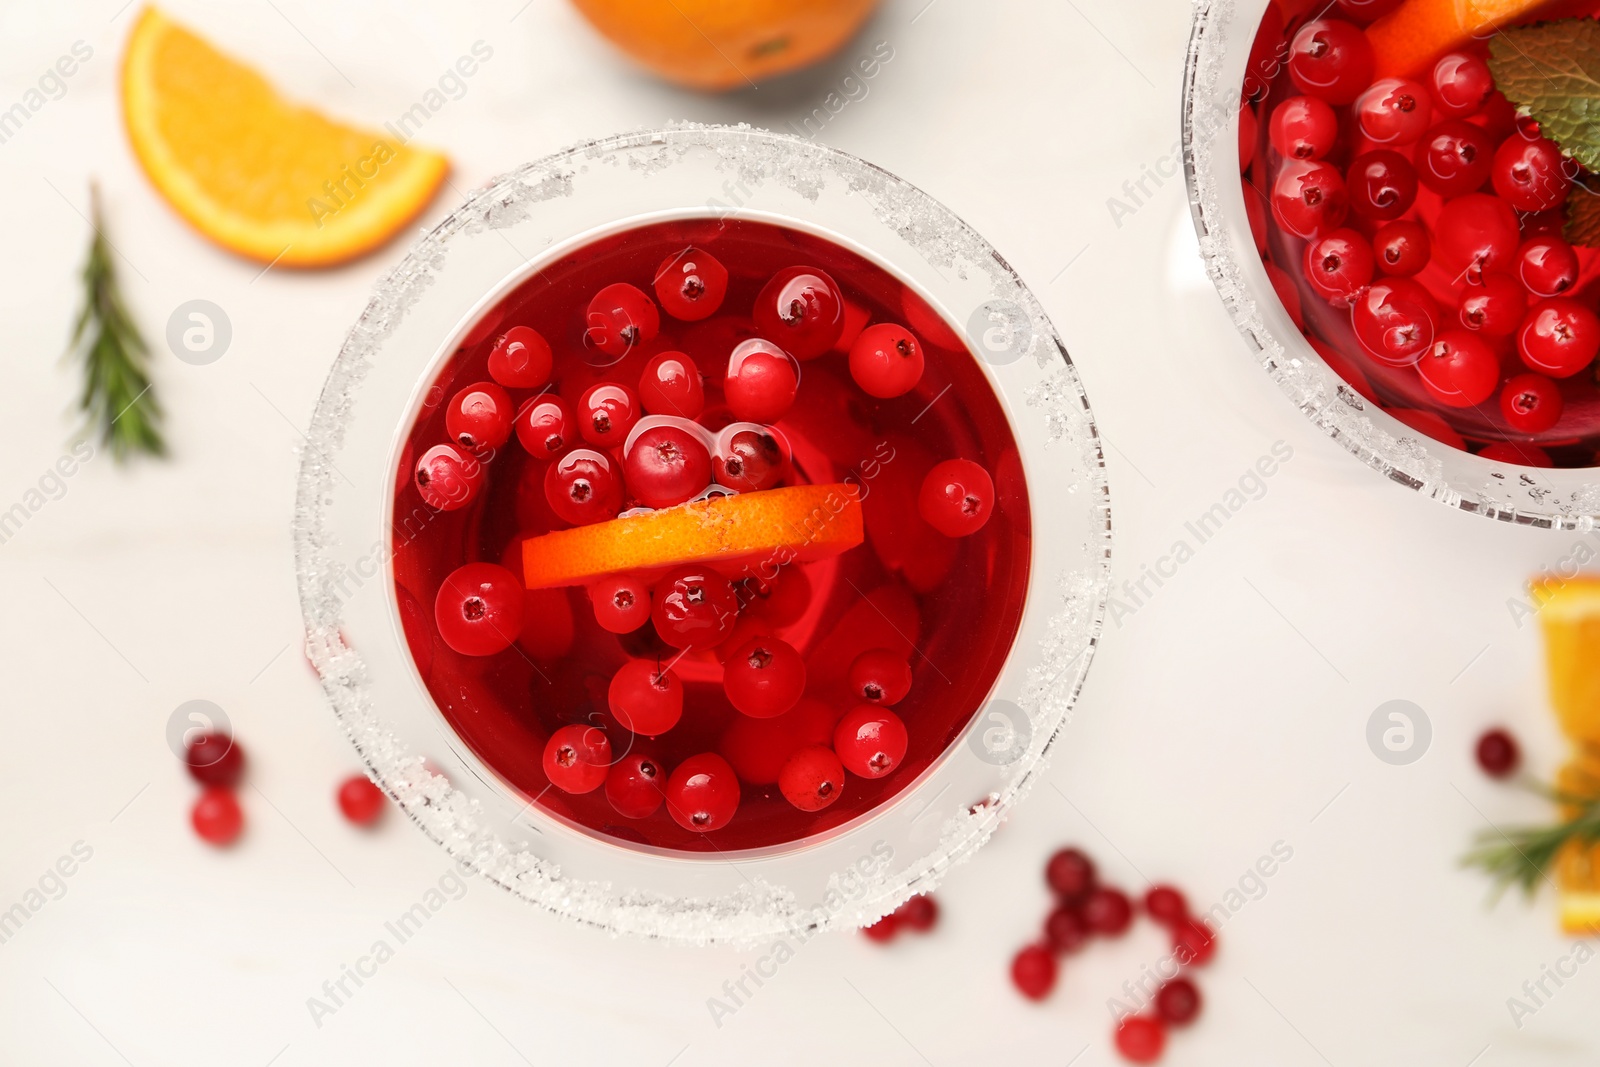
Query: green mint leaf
(1551, 70)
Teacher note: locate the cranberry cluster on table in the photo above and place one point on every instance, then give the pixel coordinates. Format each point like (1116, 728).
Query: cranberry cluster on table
(217, 762)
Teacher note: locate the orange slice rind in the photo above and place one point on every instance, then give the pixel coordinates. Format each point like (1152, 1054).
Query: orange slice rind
(1569, 615)
(795, 524)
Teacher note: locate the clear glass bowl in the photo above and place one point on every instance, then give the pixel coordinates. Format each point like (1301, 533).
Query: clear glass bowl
(858, 872)
(1219, 49)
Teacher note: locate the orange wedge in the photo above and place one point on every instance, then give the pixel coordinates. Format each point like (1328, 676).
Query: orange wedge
(795, 524)
(1418, 32)
(1569, 614)
(1578, 875)
(262, 177)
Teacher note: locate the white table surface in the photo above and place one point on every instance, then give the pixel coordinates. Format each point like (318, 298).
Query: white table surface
(1227, 714)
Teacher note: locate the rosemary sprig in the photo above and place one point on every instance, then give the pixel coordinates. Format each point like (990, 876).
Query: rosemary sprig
(118, 398)
(1522, 856)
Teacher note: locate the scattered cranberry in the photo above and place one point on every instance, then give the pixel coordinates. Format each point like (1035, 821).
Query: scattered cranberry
(1064, 929)
(621, 603)
(633, 785)
(871, 741)
(884, 929)
(1331, 60)
(1033, 972)
(521, 359)
(694, 607)
(1166, 905)
(545, 427)
(691, 285)
(1108, 911)
(1393, 111)
(583, 487)
(1401, 248)
(957, 497)
(1498, 753)
(479, 417)
(750, 460)
(1531, 403)
(216, 816)
(621, 316)
(802, 310)
(1141, 1039)
(1309, 198)
(670, 385)
(606, 412)
(1547, 265)
(214, 758)
(577, 757)
(1531, 174)
(1461, 84)
(762, 381)
(1454, 157)
(1303, 127)
(920, 913)
(812, 778)
(1516, 452)
(1459, 369)
(880, 676)
(645, 697)
(1559, 337)
(361, 801)
(1381, 185)
(1339, 265)
(1495, 308)
(1395, 320)
(1475, 234)
(1178, 1001)
(764, 678)
(703, 793)
(479, 609)
(448, 478)
(886, 361)
(1070, 874)
(666, 465)
(1194, 943)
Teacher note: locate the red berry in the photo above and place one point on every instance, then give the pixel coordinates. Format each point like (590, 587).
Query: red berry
(761, 382)
(1108, 911)
(521, 359)
(1033, 972)
(783, 600)
(1547, 265)
(1531, 174)
(214, 758)
(448, 477)
(1331, 60)
(1395, 320)
(619, 317)
(759, 748)
(1339, 265)
(666, 465)
(1194, 943)
(216, 816)
(1515, 452)
(801, 310)
(1141, 1039)
(750, 459)
(633, 785)
(1496, 307)
(1064, 930)
(479, 417)
(1178, 1001)
(1401, 248)
(1531, 403)
(1393, 111)
(884, 929)
(1381, 185)
(764, 678)
(1461, 84)
(1303, 127)
(1070, 874)
(691, 285)
(871, 741)
(361, 801)
(479, 609)
(645, 697)
(621, 603)
(886, 361)
(606, 412)
(694, 607)
(812, 778)
(1309, 197)
(879, 676)
(703, 793)
(1166, 905)
(920, 913)
(583, 487)
(1559, 337)
(545, 427)
(670, 385)
(576, 758)
(957, 497)
(1498, 753)
(1454, 157)
(1459, 369)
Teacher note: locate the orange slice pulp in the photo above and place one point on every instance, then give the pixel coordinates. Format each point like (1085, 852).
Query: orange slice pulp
(1418, 32)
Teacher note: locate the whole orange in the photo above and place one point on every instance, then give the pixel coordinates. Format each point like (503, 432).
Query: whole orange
(726, 44)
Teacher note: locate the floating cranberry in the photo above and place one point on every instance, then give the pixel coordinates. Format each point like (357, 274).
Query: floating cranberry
(691, 285)
(1395, 320)
(880, 676)
(545, 427)
(1531, 403)
(1559, 337)
(1108, 911)
(577, 758)
(1166, 905)
(360, 800)
(1339, 265)
(479, 609)
(920, 913)
(666, 465)
(214, 758)
(703, 793)
(620, 317)
(1381, 185)
(764, 678)
(1331, 60)
(1309, 198)
(957, 498)
(645, 697)
(1459, 369)
(886, 361)
(1495, 308)
(670, 385)
(1461, 84)
(479, 417)
(871, 741)
(606, 412)
(633, 785)
(1476, 234)
(1070, 874)
(521, 359)
(1033, 972)
(1547, 265)
(1454, 157)
(216, 816)
(1303, 127)
(1193, 943)
(812, 778)
(1064, 929)
(1393, 111)
(448, 477)
(583, 487)
(1401, 248)
(802, 310)
(1178, 1001)
(694, 607)
(1498, 753)
(621, 603)
(750, 459)
(1531, 174)
(761, 382)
